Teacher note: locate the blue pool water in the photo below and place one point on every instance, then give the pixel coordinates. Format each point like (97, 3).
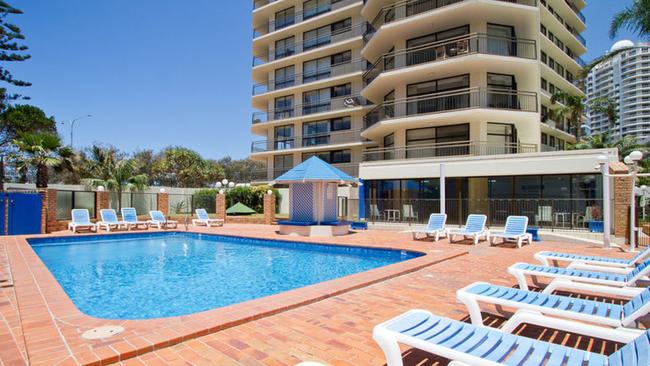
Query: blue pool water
(142, 276)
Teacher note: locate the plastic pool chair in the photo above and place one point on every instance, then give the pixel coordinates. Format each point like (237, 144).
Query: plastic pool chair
(130, 218)
(608, 276)
(109, 220)
(81, 220)
(435, 227)
(158, 220)
(468, 345)
(515, 230)
(545, 258)
(474, 228)
(202, 218)
(601, 313)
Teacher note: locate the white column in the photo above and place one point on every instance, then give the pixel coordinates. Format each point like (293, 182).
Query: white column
(443, 197)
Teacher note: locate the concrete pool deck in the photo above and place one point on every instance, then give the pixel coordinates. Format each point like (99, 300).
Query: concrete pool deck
(329, 322)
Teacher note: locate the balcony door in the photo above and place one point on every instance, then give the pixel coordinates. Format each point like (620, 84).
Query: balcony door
(312, 8)
(316, 69)
(316, 133)
(282, 164)
(428, 99)
(285, 18)
(285, 47)
(502, 91)
(501, 40)
(283, 137)
(501, 138)
(420, 52)
(283, 107)
(285, 77)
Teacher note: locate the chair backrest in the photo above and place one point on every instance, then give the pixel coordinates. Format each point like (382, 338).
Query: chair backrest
(157, 216)
(129, 214)
(544, 213)
(374, 209)
(436, 221)
(642, 254)
(516, 225)
(202, 214)
(80, 216)
(475, 223)
(407, 211)
(588, 216)
(636, 303)
(108, 215)
(639, 271)
(635, 353)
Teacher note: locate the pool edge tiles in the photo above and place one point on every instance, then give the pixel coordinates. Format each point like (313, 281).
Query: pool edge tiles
(142, 336)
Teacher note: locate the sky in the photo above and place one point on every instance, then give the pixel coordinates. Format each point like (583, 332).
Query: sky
(155, 73)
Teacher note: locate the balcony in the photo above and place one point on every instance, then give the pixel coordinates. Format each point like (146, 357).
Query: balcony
(312, 76)
(451, 48)
(296, 48)
(576, 11)
(410, 8)
(446, 149)
(470, 98)
(559, 18)
(260, 3)
(307, 141)
(328, 105)
(299, 17)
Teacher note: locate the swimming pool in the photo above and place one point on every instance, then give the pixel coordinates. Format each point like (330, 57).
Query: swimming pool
(154, 275)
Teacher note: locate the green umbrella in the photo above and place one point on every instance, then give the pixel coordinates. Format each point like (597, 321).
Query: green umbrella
(240, 209)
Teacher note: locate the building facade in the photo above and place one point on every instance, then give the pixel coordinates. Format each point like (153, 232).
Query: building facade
(625, 80)
(392, 89)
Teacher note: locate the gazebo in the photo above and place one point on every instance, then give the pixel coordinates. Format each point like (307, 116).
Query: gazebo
(313, 187)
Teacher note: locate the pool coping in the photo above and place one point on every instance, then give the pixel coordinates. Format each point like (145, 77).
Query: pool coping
(52, 324)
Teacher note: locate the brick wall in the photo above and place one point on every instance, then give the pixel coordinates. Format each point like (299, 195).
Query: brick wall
(220, 204)
(102, 199)
(163, 202)
(269, 209)
(50, 211)
(622, 199)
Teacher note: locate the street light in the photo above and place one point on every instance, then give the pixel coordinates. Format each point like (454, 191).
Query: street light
(72, 127)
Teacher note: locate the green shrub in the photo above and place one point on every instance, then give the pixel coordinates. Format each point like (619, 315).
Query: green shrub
(252, 197)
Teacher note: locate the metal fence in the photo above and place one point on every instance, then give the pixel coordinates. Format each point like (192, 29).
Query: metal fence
(180, 204)
(66, 201)
(555, 214)
(142, 202)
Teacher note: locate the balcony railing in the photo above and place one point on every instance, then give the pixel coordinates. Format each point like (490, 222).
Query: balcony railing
(451, 48)
(328, 105)
(460, 148)
(269, 175)
(559, 18)
(409, 8)
(577, 11)
(308, 77)
(309, 44)
(453, 100)
(301, 16)
(312, 140)
(261, 3)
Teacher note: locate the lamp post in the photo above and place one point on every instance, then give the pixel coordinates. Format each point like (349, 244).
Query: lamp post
(72, 127)
(632, 161)
(604, 170)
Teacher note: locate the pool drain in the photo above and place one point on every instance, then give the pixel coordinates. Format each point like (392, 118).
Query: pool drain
(102, 332)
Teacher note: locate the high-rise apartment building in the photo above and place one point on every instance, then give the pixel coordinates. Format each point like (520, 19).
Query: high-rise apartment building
(625, 81)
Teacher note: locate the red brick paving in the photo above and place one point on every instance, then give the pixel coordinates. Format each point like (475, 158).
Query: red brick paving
(283, 329)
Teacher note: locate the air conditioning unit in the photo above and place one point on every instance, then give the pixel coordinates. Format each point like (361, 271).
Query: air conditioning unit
(351, 102)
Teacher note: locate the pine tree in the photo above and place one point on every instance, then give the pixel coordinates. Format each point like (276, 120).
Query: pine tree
(11, 50)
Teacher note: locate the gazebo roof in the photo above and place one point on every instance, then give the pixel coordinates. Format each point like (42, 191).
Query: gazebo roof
(314, 170)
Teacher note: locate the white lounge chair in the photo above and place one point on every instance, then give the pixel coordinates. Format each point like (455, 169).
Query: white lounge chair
(202, 218)
(81, 220)
(608, 276)
(545, 257)
(435, 227)
(467, 345)
(474, 228)
(130, 218)
(601, 313)
(515, 230)
(158, 220)
(109, 220)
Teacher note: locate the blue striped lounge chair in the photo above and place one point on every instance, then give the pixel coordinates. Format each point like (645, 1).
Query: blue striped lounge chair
(159, 220)
(109, 220)
(467, 345)
(435, 227)
(130, 218)
(545, 257)
(474, 229)
(515, 230)
(202, 218)
(601, 313)
(624, 277)
(81, 220)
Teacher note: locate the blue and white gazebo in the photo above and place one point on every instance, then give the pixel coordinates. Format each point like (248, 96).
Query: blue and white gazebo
(313, 187)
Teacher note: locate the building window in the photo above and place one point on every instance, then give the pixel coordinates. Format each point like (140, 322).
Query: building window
(427, 54)
(342, 26)
(283, 107)
(284, 77)
(315, 133)
(501, 40)
(341, 90)
(500, 138)
(422, 142)
(285, 18)
(316, 69)
(341, 123)
(332, 157)
(282, 164)
(316, 101)
(312, 8)
(284, 137)
(342, 58)
(438, 102)
(285, 47)
(323, 35)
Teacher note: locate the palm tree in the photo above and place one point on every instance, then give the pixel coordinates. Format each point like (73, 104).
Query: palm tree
(42, 150)
(113, 173)
(603, 141)
(607, 106)
(573, 108)
(635, 17)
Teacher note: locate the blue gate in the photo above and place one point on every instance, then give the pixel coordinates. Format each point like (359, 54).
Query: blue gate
(24, 213)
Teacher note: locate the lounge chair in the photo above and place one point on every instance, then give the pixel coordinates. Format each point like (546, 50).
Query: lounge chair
(474, 228)
(608, 276)
(158, 220)
(545, 258)
(81, 220)
(130, 218)
(467, 345)
(202, 218)
(515, 230)
(435, 227)
(596, 312)
(109, 220)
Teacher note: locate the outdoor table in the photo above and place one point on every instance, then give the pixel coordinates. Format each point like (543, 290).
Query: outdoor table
(393, 215)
